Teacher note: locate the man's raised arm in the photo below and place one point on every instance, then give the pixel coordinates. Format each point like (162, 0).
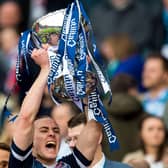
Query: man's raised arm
(23, 132)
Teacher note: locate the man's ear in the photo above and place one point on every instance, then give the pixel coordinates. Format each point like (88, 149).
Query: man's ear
(100, 139)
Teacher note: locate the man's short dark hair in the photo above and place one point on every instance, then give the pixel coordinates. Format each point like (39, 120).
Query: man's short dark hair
(159, 56)
(77, 120)
(122, 82)
(4, 146)
(43, 113)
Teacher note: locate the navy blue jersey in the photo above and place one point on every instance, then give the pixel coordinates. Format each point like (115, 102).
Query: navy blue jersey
(25, 159)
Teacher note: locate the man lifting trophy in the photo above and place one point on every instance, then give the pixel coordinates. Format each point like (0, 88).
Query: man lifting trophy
(60, 52)
(72, 74)
(74, 71)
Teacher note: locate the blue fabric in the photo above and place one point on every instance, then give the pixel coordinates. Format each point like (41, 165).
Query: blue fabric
(111, 68)
(25, 159)
(112, 164)
(155, 106)
(165, 22)
(132, 66)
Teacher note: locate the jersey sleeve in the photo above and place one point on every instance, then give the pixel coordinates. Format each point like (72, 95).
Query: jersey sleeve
(20, 158)
(76, 160)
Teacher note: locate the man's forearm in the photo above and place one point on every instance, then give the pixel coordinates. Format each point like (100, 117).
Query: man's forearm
(23, 132)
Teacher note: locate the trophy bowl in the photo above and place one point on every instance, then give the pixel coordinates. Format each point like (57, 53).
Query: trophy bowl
(59, 92)
(48, 30)
(48, 27)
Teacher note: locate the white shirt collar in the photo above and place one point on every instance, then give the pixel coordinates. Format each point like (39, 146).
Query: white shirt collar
(51, 166)
(64, 150)
(100, 163)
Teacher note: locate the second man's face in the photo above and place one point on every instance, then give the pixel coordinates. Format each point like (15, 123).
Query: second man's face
(73, 134)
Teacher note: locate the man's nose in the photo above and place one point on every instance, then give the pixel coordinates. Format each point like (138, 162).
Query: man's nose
(72, 144)
(51, 133)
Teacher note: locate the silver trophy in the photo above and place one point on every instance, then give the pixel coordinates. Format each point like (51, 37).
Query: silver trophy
(48, 30)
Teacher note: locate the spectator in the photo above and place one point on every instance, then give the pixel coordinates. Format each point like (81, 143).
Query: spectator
(39, 8)
(152, 138)
(130, 17)
(124, 113)
(165, 17)
(75, 127)
(10, 15)
(164, 49)
(9, 47)
(7, 131)
(3, 72)
(44, 132)
(155, 79)
(4, 155)
(158, 33)
(165, 156)
(123, 83)
(62, 114)
(122, 57)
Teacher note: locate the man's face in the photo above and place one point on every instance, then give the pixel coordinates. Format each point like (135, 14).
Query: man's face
(73, 134)
(46, 139)
(61, 115)
(154, 74)
(4, 158)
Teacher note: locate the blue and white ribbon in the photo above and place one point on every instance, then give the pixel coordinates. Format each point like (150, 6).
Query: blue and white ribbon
(27, 42)
(81, 66)
(97, 111)
(72, 35)
(24, 51)
(103, 81)
(69, 55)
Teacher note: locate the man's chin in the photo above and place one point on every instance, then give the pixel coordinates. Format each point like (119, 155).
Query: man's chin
(47, 158)
(50, 159)
(50, 153)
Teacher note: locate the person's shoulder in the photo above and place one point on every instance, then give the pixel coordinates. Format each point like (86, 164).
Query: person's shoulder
(111, 164)
(138, 154)
(22, 158)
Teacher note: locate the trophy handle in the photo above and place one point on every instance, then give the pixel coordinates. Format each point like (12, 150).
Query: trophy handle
(36, 40)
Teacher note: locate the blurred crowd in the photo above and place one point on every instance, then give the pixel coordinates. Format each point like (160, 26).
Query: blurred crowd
(132, 36)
